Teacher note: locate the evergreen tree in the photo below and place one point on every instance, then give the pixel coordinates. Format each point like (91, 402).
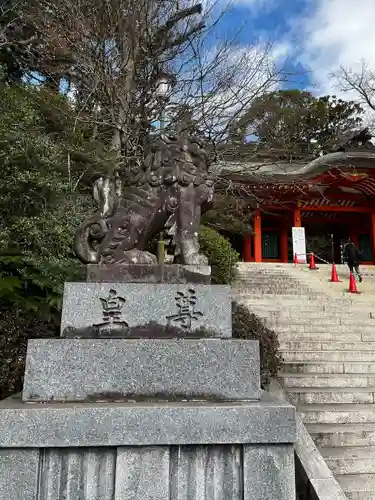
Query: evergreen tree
(295, 123)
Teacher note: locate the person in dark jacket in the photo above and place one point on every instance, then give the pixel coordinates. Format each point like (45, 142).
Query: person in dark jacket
(352, 258)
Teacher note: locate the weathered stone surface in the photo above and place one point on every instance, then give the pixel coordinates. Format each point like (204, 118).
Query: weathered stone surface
(120, 305)
(173, 187)
(141, 369)
(168, 273)
(41, 425)
(197, 472)
(269, 473)
(142, 473)
(84, 473)
(19, 474)
(207, 472)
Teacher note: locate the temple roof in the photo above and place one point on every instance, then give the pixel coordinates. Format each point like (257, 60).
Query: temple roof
(351, 167)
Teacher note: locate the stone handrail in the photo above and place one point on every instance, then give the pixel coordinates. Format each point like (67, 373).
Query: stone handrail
(314, 479)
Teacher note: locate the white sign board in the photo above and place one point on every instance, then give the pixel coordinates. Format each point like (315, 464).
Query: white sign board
(299, 244)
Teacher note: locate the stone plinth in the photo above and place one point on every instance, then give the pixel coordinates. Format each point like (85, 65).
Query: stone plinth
(54, 425)
(141, 369)
(132, 304)
(137, 273)
(198, 451)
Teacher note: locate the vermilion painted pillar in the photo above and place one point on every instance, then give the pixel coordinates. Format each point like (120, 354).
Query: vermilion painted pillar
(373, 236)
(354, 238)
(297, 218)
(247, 248)
(284, 245)
(257, 237)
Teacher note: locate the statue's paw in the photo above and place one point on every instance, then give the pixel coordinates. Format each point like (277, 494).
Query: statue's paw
(139, 257)
(197, 259)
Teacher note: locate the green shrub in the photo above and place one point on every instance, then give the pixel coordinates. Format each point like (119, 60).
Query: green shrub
(221, 255)
(247, 325)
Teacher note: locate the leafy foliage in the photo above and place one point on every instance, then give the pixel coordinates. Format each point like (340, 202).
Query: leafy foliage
(43, 197)
(222, 257)
(247, 325)
(297, 123)
(228, 213)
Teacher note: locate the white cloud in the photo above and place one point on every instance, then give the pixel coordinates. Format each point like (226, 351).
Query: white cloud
(334, 33)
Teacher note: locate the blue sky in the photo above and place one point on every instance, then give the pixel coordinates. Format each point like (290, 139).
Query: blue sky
(272, 21)
(317, 35)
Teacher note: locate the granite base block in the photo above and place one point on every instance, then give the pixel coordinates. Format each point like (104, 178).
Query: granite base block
(141, 369)
(216, 472)
(269, 472)
(133, 304)
(44, 425)
(133, 273)
(19, 474)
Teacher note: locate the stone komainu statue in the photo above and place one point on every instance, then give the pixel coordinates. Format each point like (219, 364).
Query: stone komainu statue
(172, 190)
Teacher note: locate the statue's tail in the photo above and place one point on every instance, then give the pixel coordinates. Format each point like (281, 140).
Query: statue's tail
(87, 239)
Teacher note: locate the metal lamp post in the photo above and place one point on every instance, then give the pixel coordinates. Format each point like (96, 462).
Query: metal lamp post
(164, 84)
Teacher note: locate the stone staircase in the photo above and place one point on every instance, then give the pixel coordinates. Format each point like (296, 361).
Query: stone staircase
(327, 338)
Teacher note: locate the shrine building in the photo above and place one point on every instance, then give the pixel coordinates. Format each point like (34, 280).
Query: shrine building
(332, 197)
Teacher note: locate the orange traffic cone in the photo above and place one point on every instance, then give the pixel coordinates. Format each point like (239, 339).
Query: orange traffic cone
(312, 264)
(295, 260)
(352, 284)
(334, 276)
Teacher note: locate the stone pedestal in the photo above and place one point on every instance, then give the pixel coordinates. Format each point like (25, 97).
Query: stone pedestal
(141, 369)
(145, 419)
(138, 273)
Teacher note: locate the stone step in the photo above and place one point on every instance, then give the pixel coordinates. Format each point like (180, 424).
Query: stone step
(330, 334)
(368, 336)
(291, 300)
(335, 356)
(326, 336)
(305, 310)
(314, 314)
(327, 380)
(323, 320)
(329, 367)
(335, 435)
(350, 460)
(323, 272)
(268, 278)
(245, 273)
(277, 280)
(358, 486)
(366, 331)
(293, 309)
(281, 293)
(281, 283)
(287, 314)
(360, 495)
(326, 395)
(315, 300)
(313, 297)
(291, 297)
(290, 345)
(337, 413)
(268, 281)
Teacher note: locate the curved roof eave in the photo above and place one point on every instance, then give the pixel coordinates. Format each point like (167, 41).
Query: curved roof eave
(306, 172)
(323, 163)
